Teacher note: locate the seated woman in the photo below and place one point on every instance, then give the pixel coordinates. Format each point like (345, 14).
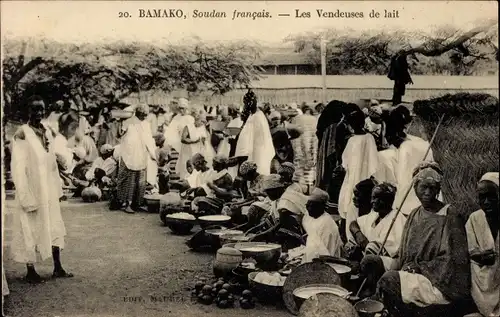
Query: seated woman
(292, 207)
(286, 172)
(198, 178)
(483, 239)
(218, 190)
(102, 171)
(83, 141)
(362, 200)
(263, 217)
(250, 188)
(432, 272)
(192, 177)
(256, 211)
(323, 237)
(370, 231)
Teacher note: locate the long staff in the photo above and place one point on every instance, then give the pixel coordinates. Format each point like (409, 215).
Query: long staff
(404, 199)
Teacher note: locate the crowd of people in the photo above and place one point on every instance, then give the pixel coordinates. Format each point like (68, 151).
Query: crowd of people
(339, 179)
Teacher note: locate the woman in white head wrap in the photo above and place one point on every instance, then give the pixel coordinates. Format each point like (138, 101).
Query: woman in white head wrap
(181, 119)
(483, 240)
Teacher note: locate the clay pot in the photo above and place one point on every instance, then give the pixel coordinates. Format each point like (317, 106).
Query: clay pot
(226, 260)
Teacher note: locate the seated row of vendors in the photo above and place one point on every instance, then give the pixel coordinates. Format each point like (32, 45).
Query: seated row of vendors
(429, 249)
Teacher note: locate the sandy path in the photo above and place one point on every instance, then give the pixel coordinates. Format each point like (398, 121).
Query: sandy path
(124, 265)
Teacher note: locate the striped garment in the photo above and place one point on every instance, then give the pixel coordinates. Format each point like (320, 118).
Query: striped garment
(131, 185)
(305, 150)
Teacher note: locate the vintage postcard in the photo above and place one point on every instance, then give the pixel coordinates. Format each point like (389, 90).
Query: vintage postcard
(250, 158)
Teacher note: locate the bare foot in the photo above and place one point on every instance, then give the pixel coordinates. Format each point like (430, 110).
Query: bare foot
(34, 278)
(61, 273)
(129, 210)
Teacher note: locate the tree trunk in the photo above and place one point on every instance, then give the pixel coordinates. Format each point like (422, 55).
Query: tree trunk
(457, 43)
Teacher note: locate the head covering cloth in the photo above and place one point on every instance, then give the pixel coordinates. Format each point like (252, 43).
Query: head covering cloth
(80, 152)
(247, 168)
(142, 108)
(492, 177)
(386, 189)
(275, 115)
(287, 169)
(272, 181)
(159, 137)
(197, 158)
(318, 195)
(375, 111)
(428, 170)
(183, 103)
(106, 148)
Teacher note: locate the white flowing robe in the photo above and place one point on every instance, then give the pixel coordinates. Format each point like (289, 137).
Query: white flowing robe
(188, 150)
(61, 147)
(173, 133)
(323, 237)
(136, 144)
(255, 141)
(5, 287)
(388, 162)
(224, 146)
(152, 168)
(485, 280)
(360, 160)
(377, 233)
(38, 186)
(410, 154)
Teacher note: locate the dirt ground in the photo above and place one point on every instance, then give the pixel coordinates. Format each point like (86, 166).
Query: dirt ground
(124, 265)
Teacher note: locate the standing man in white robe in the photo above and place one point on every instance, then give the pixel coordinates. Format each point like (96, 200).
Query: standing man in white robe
(38, 227)
(360, 161)
(255, 142)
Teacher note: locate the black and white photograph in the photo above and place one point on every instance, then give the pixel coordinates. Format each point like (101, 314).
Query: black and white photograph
(250, 158)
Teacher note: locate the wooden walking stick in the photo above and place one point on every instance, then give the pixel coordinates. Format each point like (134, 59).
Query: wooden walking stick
(404, 199)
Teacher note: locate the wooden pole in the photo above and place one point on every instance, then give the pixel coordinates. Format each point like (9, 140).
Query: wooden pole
(323, 68)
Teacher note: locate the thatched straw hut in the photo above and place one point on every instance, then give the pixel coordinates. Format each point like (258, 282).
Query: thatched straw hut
(466, 145)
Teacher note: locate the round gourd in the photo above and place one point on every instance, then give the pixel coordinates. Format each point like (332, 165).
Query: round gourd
(91, 194)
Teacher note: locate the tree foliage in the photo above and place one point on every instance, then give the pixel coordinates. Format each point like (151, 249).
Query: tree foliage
(95, 74)
(446, 50)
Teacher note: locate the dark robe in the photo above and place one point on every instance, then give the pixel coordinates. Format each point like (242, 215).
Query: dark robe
(438, 246)
(398, 72)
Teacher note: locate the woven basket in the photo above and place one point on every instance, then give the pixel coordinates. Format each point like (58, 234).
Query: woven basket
(306, 274)
(466, 145)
